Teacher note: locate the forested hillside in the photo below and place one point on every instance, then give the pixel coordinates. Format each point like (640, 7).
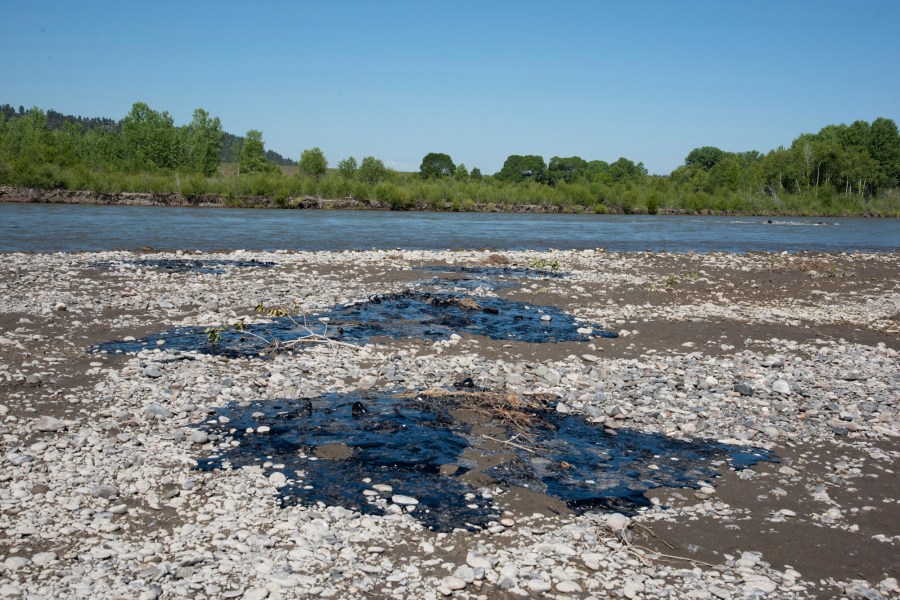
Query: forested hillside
(230, 148)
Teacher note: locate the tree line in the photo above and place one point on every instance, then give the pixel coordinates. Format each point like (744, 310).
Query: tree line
(842, 169)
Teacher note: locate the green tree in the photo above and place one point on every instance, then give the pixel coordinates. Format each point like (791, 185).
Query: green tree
(435, 165)
(203, 141)
(347, 167)
(519, 168)
(253, 154)
(475, 175)
(884, 147)
(27, 137)
(312, 163)
(461, 173)
(151, 139)
(625, 170)
(567, 169)
(706, 157)
(372, 170)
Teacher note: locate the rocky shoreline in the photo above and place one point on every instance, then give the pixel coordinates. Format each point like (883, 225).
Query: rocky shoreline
(796, 354)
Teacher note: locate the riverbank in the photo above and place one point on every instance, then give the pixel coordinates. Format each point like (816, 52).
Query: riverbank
(796, 354)
(60, 196)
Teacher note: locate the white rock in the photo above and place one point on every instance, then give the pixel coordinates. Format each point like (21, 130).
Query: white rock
(567, 587)
(748, 560)
(477, 559)
(759, 582)
(14, 563)
(404, 500)
(48, 424)
(42, 559)
(453, 583)
(781, 386)
(617, 522)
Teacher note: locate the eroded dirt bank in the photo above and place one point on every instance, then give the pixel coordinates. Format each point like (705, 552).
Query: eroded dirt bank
(101, 495)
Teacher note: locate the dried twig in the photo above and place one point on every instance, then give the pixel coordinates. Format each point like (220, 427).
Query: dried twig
(673, 557)
(315, 338)
(511, 443)
(651, 532)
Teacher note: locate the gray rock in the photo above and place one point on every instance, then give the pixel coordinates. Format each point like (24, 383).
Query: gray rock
(155, 409)
(49, 424)
(198, 437)
(367, 382)
(860, 589)
(152, 371)
(17, 460)
(615, 411)
(781, 386)
(104, 491)
(743, 389)
(465, 572)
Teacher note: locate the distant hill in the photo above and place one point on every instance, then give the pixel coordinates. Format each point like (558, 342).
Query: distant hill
(55, 120)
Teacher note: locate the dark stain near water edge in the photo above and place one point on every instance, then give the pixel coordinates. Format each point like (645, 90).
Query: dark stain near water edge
(406, 315)
(184, 265)
(335, 448)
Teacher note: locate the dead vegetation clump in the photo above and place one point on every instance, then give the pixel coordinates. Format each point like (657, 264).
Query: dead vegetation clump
(515, 410)
(496, 259)
(463, 302)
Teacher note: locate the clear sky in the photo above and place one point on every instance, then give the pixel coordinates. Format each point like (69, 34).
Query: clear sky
(477, 80)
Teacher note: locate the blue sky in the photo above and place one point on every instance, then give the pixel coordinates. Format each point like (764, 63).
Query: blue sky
(477, 80)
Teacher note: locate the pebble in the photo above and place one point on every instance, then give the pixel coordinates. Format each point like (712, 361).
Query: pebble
(157, 410)
(568, 587)
(781, 386)
(403, 500)
(48, 424)
(453, 583)
(477, 560)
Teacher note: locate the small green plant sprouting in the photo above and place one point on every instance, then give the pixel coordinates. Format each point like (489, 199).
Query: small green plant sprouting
(214, 334)
(672, 282)
(692, 275)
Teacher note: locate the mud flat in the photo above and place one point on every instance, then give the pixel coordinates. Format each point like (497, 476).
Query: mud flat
(139, 393)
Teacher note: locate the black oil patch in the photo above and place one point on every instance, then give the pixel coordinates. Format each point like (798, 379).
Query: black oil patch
(406, 315)
(416, 445)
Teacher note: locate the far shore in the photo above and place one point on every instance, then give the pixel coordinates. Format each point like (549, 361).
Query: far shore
(11, 194)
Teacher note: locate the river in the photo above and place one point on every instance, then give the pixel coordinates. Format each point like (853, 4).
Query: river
(71, 227)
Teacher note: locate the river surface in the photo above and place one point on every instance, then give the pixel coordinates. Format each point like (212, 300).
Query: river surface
(71, 227)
